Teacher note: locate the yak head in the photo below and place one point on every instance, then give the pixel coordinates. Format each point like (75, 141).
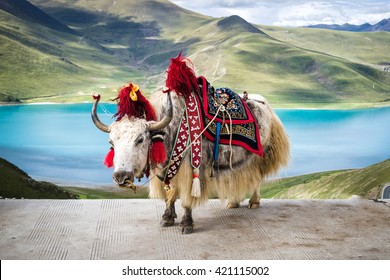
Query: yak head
(131, 139)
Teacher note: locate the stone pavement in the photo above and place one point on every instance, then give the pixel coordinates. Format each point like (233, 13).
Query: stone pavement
(129, 229)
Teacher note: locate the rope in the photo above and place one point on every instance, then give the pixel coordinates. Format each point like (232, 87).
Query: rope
(105, 110)
(230, 140)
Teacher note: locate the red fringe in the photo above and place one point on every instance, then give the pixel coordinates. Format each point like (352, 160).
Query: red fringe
(181, 78)
(157, 153)
(138, 109)
(109, 159)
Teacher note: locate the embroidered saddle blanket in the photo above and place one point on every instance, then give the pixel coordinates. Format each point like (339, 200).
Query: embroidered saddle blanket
(204, 109)
(234, 112)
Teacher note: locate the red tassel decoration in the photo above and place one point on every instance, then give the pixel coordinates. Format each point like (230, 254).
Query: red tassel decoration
(109, 159)
(180, 77)
(157, 153)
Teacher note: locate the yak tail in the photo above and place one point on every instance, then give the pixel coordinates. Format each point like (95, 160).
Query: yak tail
(277, 152)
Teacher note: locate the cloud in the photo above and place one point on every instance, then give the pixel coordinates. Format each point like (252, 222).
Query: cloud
(331, 12)
(294, 12)
(216, 3)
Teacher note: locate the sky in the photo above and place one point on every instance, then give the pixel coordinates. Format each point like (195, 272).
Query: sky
(292, 13)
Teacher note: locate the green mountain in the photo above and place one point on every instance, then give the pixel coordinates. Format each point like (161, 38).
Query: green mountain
(366, 182)
(71, 48)
(44, 60)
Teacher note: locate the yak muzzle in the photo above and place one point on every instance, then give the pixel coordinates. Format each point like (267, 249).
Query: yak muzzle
(124, 179)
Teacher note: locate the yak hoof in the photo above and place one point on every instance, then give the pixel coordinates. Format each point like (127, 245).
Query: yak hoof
(233, 205)
(253, 205)
(187, 229)
(167, 222)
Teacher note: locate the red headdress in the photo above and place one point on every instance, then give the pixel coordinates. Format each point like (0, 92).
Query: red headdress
(181, 76)
(132, 103)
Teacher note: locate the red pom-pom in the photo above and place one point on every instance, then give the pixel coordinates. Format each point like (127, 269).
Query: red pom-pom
(157, 153)
(109, 159)
(180, 77)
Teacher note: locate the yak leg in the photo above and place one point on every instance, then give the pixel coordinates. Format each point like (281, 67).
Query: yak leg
(254, 201)
(187, 223)
(169, 216)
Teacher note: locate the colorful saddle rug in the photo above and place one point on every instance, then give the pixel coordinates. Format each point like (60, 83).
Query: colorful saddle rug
(234, 112)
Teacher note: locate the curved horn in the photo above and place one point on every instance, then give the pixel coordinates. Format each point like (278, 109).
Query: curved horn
(95, 117)
(168, 117)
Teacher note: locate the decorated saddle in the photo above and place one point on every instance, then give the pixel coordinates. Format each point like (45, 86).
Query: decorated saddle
(224, 110)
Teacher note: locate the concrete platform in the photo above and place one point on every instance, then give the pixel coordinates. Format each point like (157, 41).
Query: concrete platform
(129, 229)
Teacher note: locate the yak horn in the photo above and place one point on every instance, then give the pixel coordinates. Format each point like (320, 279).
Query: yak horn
(167, 119)
(95, 118)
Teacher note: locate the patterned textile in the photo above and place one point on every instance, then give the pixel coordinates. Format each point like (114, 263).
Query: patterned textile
(189, 129)
(244, 126)
(200, 110)
(194, 129)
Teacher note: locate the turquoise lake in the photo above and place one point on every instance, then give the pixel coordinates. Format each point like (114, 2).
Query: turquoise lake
(59, 143)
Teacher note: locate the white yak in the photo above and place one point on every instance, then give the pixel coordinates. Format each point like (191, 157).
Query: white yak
(240, 172)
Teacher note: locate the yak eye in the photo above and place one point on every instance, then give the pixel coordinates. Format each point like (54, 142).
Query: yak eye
(139, 140)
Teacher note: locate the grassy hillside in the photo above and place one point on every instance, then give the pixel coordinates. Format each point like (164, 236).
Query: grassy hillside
(108, 193)
(366, 182)
(40, 64)
(138, 32)
(15, 183)
(361, 47)
(113, 42)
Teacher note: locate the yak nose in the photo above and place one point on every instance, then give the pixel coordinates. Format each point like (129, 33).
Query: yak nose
(122, 177)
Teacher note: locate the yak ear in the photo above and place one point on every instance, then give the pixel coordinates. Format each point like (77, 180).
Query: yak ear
(167, 118)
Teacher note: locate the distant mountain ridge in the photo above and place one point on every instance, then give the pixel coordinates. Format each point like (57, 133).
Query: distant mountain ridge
(237, 24)
(383, 25)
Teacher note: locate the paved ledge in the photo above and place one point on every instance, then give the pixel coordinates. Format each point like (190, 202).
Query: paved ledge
(129, 229)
